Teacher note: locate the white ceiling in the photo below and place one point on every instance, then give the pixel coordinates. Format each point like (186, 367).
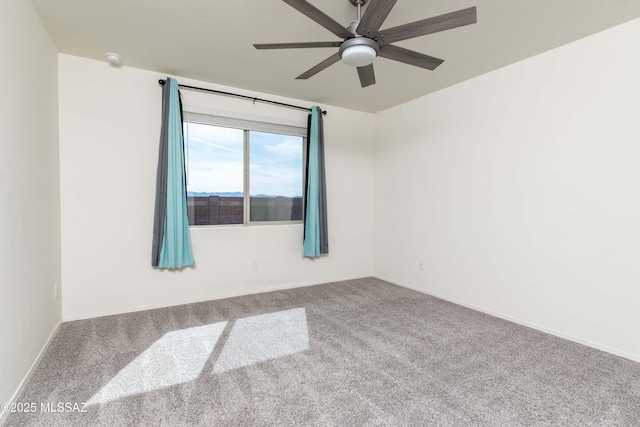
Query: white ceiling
(211, 40)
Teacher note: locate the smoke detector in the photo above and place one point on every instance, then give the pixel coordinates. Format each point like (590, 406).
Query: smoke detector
(113, 58)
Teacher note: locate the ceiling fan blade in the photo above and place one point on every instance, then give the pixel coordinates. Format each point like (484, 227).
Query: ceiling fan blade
(374, 16)
(428, 26)
(367, 76)
(296, 45)
(410, 57)
(317, 15)
(321, 66)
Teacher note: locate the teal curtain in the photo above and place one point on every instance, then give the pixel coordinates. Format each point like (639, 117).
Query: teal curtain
(316, 234)
(171, 241)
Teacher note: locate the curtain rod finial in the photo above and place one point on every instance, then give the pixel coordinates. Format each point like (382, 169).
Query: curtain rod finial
(162, 82)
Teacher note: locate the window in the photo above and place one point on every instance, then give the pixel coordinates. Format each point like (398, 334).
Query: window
(241, 172)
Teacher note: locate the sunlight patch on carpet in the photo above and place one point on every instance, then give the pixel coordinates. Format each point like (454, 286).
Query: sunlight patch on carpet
(176, 358)
(180, 356)
(264, 337)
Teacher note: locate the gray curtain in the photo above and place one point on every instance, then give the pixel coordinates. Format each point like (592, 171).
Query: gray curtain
(161, 180)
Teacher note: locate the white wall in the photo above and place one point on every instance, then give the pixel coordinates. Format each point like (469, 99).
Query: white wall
(520, 191)
(109, 135)
(29, 192)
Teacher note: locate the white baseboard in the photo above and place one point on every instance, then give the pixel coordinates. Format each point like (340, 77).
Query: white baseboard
(30, 372)
(217, 296)
(588, 343)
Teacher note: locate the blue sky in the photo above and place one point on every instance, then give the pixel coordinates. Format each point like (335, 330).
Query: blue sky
(215, 161)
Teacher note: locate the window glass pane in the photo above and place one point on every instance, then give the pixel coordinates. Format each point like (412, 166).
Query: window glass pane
(275, 176)
(215, 168)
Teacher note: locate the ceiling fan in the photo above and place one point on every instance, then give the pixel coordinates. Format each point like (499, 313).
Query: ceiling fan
(363, 40)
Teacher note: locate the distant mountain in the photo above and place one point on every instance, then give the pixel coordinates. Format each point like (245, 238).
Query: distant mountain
(221, 194)
(228, 194)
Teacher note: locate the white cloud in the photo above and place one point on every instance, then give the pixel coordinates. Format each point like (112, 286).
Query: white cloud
(288, 146)
(211, 144)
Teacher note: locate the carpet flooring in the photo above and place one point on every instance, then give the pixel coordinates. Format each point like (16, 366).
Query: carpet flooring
(352, 353)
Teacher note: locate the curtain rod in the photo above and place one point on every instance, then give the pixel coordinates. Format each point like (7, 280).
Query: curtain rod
(254, 99)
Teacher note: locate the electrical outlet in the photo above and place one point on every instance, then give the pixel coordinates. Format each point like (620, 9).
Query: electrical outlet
(55, 290)
(421, 265)
(254, 266)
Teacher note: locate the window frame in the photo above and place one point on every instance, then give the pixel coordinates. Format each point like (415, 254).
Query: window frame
(248, 126)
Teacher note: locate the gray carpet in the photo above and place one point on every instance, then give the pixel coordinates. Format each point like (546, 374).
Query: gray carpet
(360, 352)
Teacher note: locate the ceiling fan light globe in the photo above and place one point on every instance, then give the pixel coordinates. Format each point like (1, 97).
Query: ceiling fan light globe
(358, 55)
